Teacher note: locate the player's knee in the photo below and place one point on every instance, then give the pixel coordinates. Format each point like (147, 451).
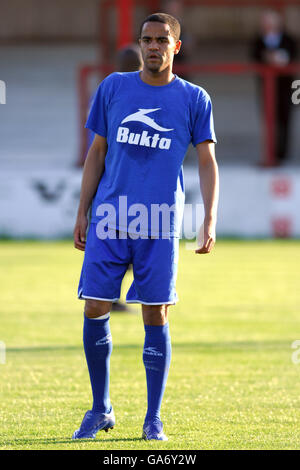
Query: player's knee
(96, 308)
(155, 314)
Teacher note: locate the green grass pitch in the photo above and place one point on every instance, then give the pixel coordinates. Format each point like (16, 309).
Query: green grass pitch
(232, 382)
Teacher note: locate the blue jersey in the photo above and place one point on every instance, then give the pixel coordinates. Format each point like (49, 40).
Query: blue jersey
(148, 130)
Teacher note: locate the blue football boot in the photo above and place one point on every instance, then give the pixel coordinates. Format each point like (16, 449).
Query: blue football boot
(154, 430)
(93, 422)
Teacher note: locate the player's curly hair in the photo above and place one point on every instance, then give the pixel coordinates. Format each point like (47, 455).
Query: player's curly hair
(166, 19)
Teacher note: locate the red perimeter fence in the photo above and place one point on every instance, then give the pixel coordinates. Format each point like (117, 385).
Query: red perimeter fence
(268, 74)
(125, 10)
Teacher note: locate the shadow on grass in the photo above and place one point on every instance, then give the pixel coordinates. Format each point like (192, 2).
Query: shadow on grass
(23, 442)
(237, 346)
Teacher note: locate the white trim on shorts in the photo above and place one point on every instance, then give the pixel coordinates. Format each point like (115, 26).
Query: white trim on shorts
(83, 297)
(136, 301)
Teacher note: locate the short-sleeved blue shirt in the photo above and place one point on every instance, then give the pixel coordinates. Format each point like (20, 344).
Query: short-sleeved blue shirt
(148, 130)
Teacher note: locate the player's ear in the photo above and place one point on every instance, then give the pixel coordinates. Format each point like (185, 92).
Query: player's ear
(177, 46)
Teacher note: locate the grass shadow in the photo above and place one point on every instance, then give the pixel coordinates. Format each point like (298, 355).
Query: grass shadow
(201, 345)
(31, 442)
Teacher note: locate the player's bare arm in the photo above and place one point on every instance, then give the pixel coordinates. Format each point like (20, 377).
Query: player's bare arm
(209, 185)
(92, 172)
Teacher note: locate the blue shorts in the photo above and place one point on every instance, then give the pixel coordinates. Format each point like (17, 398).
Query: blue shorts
(154, 263)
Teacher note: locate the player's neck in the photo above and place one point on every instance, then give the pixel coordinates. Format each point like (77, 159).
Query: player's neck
(157, 78)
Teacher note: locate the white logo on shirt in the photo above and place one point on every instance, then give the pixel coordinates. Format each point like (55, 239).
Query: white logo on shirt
(140, 116)
(124, 136)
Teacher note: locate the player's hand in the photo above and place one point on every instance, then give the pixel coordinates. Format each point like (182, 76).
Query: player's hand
(80, 232)
(206, 239)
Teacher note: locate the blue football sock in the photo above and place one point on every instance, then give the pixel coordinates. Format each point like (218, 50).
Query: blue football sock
(156, 358)
(97, 343)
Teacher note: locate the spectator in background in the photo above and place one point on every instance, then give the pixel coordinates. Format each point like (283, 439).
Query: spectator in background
(274, 46)
(128, 59)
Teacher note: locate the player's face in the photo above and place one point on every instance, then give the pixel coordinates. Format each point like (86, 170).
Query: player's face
(158, 46)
